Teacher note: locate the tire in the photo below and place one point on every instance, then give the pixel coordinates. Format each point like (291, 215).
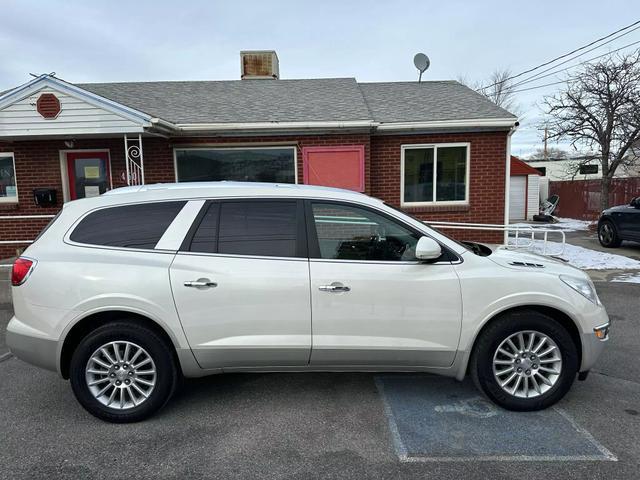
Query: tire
(528, 322)
(608, 235)
(118, 403)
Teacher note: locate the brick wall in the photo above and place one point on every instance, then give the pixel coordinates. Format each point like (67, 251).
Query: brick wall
(38, 165)
(486, 189)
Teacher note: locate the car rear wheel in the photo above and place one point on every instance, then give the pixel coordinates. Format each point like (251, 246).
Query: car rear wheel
(123, 372)
(524, 361)
(608, 235)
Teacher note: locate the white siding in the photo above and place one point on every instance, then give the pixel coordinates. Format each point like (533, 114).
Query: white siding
(76, 117)
(544, 188)
(533, 196)
(517, 197)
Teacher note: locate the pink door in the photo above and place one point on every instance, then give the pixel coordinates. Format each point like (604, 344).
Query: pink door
(341, 166)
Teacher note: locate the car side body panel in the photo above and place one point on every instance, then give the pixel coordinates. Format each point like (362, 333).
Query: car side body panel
(71, 282)
(394, 314)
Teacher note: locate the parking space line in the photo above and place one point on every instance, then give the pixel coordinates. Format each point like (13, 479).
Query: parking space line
(404, 456)
(401, 450)
(605, 451)
(5, 356)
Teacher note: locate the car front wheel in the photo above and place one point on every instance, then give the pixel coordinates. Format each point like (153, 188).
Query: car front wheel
(123, 372)
(524, 361)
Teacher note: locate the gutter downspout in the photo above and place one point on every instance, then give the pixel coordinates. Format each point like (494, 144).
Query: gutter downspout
(507, 181)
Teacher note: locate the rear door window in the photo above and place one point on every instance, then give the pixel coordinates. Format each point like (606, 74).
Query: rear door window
(270, 228)
(127, 226)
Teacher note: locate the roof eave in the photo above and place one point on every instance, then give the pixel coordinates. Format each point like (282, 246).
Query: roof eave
(266, 127)
(481, 123)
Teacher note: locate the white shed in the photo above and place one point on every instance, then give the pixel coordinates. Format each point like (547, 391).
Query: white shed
(524, 191)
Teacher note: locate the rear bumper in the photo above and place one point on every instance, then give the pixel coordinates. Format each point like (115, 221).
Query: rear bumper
(31, 348)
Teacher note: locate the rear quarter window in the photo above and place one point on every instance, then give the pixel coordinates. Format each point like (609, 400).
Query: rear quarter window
(127, 226)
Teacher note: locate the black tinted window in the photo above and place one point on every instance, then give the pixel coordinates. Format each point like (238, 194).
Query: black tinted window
(258, 228)
(352, 233)
(205, 237)
(131, 226)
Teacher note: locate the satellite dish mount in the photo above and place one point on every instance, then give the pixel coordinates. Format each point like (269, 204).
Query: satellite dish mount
(422, 62)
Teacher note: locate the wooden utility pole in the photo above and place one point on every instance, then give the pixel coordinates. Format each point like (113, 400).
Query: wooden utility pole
(546, 135)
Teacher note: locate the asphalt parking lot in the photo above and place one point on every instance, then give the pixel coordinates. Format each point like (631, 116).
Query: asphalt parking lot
(334, 425)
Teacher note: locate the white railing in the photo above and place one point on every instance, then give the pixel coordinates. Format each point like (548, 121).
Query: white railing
(134, 160)
(529, 234)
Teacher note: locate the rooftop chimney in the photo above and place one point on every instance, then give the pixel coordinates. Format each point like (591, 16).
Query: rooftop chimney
(259, 64)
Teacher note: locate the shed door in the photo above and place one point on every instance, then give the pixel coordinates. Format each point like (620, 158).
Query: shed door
(533, 196)
(517, 197)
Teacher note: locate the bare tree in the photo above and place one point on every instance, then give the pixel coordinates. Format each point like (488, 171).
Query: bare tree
(552, 153)
(598, 111)
(498, 88)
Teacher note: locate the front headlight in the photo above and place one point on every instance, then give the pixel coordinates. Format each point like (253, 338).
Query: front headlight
(583, 286)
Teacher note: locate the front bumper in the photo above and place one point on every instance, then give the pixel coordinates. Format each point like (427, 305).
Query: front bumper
(31, 348)
(592, 347)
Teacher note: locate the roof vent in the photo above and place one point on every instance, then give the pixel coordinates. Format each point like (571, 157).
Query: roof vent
(259, 64)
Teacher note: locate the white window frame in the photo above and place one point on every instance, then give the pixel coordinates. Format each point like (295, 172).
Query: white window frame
(15, 175)
(238, 147)
(435, 146)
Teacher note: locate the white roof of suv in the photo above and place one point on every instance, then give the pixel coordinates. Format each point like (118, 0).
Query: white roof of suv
(164, 191)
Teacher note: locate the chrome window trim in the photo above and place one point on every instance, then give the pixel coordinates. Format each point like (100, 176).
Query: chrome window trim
(230, 255)
(387, 262)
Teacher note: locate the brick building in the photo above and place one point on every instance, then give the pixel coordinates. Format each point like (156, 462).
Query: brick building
(436, 149)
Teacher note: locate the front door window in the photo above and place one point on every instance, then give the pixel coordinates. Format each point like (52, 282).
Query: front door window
(89, 174)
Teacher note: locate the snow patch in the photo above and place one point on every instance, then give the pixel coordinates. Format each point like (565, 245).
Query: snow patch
(564, 224)
(578, 256)
(627, 278)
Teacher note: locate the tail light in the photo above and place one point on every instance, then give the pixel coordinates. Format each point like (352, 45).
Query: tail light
(21, 270)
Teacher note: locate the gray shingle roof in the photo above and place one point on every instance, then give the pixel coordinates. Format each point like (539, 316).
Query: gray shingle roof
(427, 101)
(309, 100)
(331, 99)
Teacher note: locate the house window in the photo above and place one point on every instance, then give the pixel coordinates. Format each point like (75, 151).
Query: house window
(588, 169)
(266, 164)
(8, 186)
(433, 174)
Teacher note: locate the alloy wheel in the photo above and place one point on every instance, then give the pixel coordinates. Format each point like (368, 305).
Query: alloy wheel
(121, 375)
(527, 364)
(606, 233)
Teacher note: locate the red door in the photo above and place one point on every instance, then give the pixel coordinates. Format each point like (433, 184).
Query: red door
(335, 166)
(89, 174)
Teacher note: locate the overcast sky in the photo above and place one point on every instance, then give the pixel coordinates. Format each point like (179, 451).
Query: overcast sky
(372, 41)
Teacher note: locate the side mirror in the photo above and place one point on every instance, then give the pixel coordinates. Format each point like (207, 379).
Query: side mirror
(428, 249)
(635, 202)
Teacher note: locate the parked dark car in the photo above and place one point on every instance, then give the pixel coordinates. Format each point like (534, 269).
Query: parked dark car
(620, 223)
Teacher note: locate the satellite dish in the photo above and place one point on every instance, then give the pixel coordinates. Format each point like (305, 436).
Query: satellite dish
(422, 62)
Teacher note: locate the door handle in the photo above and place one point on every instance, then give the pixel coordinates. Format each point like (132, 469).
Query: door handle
(201, 283)
(335, 287)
